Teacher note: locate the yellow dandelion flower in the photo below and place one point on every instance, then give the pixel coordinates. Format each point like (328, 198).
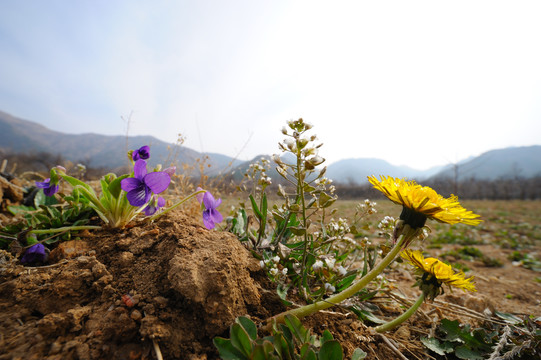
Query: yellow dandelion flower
(422, 202)
(435, 273)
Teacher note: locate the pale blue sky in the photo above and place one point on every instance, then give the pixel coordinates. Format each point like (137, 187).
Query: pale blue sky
(416, 83)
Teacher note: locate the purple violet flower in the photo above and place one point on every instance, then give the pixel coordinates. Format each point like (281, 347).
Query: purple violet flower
(142, 153)
(142, 185)
(49, 189)
(35, 253)
(211, 216)
(154, 206)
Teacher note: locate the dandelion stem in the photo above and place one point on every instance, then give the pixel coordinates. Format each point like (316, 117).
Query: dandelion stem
(405, 316)
(350, 291)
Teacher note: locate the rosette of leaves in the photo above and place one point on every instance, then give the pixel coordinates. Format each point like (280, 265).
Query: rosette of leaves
(47, 213)
(287, 341)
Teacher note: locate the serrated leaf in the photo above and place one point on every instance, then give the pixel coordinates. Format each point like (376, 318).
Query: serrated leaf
(331, 350)
(440, 348)
(463, 352)
(452, 330)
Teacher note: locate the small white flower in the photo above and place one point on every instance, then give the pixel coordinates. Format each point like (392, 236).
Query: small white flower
(262, 264)
(284, 271)
(341, 270)
(276, 259)
(317, 265)
(273, 271)
(329, 288)
(330, 262)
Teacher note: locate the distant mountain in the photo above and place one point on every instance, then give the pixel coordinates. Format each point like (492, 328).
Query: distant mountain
(508, 163)
(23, 136)
(355, 171)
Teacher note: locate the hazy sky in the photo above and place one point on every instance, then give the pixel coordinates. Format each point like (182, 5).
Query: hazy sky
(416, 83)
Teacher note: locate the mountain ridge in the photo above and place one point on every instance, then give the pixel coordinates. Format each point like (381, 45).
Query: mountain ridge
(109, 151)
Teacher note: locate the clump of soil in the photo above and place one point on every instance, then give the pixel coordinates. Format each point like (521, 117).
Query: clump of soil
(173, 282)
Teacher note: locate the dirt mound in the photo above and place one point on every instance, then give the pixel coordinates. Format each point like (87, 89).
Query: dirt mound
(173, 281)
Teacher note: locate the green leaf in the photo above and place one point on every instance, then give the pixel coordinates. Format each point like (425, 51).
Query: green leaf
(248, 325)
(255, 208)
(114, 187)
(264, 205)
(452, 330)
(281, 346)
(297, 230)
(240, 339)
(282, 290)
(345, 282)
(227, 350)
(436, 346)
(42, 199)
(331, 350)
(17, 209)
(366, 315)
(358, 354)
(508, 318)
(463, 352)
(326, 336)
(307, 353)
(296, 328)
(76, 182)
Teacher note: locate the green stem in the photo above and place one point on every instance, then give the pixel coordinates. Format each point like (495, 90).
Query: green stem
(66, 228)
(350, 291)
(405, 316)
(300, 191)
(154, 217)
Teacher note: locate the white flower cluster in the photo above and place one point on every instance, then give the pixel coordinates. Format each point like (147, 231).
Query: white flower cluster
(340, 227)
(386, 222)
(368, 207)
(258, 171)
(329, 263)
(271, 265)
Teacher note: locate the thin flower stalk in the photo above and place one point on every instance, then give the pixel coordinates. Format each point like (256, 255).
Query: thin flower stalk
(405, 316)
(65, 228)
(165, 211)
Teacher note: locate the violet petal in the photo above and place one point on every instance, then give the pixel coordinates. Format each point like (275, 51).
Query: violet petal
(215, 216)
(157, 181)
(129, 184)
(207, 220)
(140, 169)
(34, 253)
(139, 196)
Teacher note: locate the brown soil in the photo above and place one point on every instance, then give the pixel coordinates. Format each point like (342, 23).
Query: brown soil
(186, 285)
